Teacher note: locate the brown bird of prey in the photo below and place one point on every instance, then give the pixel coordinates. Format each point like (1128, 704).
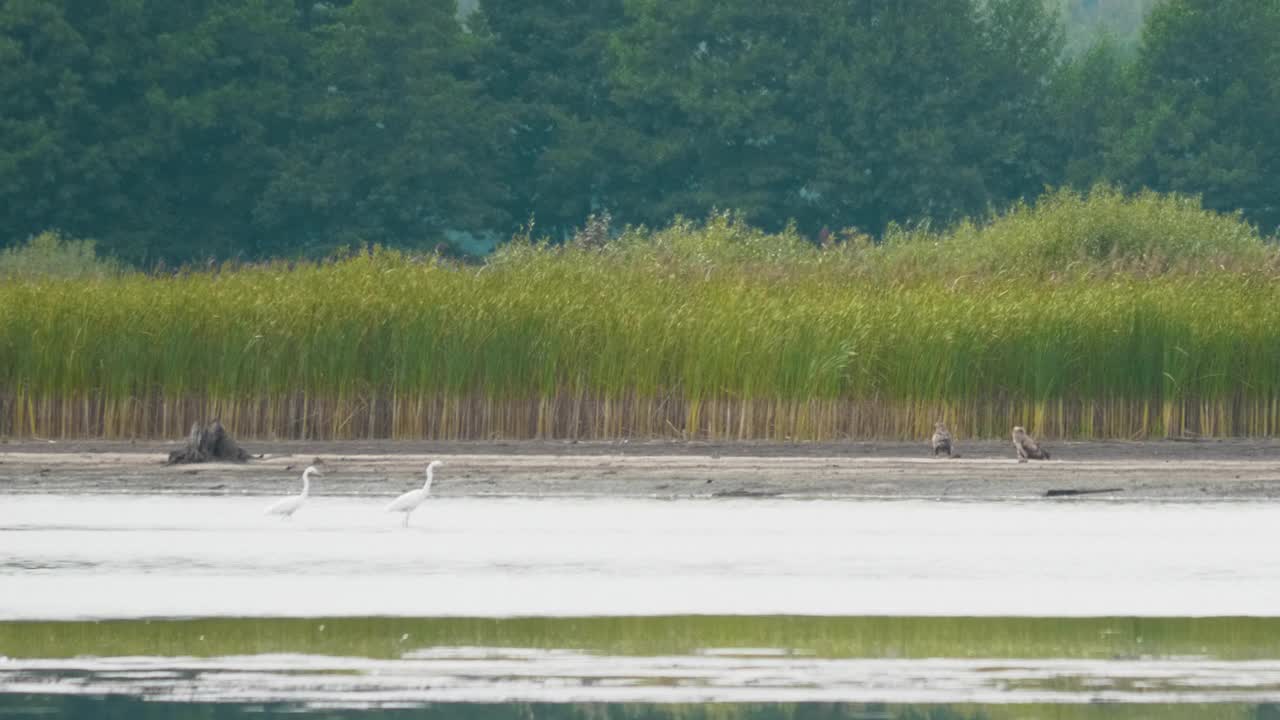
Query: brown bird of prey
(941, 439)
(1026, 446)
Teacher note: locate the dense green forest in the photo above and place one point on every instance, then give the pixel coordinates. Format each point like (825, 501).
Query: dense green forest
(188, 129)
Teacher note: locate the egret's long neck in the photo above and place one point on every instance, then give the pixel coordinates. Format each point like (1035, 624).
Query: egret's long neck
(430, 472)
(306, 482)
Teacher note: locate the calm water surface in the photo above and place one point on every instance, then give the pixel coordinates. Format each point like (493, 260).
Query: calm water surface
(112, 556)
(877, 609)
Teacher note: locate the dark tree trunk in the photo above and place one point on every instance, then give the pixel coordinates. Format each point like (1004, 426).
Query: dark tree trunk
(211, 443)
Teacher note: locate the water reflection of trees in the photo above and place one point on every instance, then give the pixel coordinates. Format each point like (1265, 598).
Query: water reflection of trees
(128, 708)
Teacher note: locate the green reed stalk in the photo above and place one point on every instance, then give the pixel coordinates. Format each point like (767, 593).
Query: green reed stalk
(714, 330)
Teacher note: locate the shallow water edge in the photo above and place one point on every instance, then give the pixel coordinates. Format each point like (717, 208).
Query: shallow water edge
(1138, 471)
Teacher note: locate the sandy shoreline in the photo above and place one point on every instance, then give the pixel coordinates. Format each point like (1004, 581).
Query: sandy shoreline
(1168, 471)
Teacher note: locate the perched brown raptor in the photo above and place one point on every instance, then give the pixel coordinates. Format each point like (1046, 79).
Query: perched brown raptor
(941, 439)
(1026, 446)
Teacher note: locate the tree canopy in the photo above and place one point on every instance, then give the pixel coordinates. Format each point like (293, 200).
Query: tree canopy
(1207, 106)
(189, 129)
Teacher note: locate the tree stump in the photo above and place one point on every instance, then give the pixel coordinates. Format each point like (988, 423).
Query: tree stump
(211, 443)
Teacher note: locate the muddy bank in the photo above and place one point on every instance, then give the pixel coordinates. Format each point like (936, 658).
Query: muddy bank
(1210, 470)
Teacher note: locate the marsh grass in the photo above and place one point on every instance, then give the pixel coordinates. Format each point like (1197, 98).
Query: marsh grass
(1098, 316)
(50, 254)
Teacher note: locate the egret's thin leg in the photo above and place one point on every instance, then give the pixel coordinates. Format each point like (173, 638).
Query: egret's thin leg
(406, 520)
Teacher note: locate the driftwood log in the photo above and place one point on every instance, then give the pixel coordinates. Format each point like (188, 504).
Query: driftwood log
(211, 443)
(1068, 492)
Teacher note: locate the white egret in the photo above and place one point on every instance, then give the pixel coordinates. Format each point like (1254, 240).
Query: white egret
(410, 501)
(288, 506)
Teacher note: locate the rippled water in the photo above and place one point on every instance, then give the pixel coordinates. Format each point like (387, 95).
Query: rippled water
(787, 603)
(515, 674)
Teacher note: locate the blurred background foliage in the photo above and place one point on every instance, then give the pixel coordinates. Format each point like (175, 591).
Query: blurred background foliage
(184, 130)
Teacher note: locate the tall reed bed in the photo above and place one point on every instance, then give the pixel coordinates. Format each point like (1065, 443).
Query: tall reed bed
(707, 331)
